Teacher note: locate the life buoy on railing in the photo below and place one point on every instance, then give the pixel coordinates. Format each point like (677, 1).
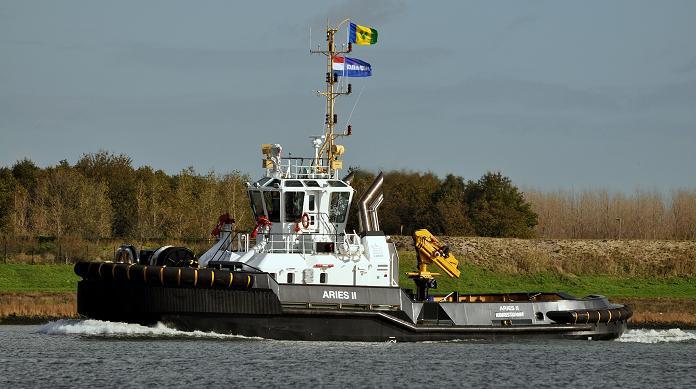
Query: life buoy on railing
(222, 220)
(262, 222)
(305, 220)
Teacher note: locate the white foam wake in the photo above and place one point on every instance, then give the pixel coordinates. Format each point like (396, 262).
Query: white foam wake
(657, 336)
(113, 329)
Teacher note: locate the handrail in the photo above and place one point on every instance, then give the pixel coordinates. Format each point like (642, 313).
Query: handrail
(297, 243)
(296, 167)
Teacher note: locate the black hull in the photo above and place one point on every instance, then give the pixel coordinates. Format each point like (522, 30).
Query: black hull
(259, 313)
(346, 327)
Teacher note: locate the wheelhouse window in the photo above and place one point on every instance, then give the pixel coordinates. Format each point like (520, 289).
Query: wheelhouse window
(273, 184)
(312, 184)
(294, 202)
(338, 207)
(272, 199)
(293, 184)
(263, 181)
(256, 203)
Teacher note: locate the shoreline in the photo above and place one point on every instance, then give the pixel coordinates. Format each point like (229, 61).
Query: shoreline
(24, 308)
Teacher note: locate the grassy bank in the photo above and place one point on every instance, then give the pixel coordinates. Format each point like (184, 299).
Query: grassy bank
(476, 279)
(48, 291)
(37, 278)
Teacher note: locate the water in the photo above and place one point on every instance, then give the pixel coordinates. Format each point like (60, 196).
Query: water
(90, 353)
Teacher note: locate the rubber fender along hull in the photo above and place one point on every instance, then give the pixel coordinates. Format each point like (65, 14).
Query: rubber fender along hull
(259, 313)
(591, 316)
(163, 276)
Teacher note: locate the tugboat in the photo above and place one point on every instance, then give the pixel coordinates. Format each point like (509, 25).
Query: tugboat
(299, 275)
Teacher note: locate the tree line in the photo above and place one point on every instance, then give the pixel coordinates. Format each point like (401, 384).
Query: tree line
(103, 196)
(489, 206)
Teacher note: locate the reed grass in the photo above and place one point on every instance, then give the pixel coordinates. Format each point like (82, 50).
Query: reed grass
(38, 305)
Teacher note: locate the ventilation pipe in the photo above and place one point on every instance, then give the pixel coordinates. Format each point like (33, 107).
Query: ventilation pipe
(349, 178)
(368, 204)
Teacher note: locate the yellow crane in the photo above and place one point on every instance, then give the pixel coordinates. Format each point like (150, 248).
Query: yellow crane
(429, 251)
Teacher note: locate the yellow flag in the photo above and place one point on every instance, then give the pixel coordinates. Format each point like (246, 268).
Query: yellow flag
(362, 35)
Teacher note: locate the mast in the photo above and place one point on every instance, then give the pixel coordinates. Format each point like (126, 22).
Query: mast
(328, 150)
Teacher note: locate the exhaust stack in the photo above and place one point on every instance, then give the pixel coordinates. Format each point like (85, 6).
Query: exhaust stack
(369, 203)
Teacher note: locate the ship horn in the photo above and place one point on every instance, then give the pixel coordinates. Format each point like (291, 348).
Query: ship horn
(368, 204)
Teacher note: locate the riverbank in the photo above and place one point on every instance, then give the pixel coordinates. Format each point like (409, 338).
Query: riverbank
(36, 307)
(573, 257)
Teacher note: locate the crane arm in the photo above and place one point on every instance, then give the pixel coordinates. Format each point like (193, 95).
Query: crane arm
(430, 251)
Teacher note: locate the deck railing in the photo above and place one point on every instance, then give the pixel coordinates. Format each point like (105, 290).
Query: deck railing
(304, 168)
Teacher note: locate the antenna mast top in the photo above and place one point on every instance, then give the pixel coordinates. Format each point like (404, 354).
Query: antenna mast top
(329, 148)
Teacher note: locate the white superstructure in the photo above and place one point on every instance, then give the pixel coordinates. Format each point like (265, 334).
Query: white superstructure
(302, 210)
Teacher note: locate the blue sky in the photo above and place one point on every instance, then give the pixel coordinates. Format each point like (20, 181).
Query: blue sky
(555, 94)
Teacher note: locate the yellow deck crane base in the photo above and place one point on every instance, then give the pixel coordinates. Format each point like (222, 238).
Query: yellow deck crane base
(429, 251)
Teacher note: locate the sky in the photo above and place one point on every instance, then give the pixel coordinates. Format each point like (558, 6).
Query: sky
(554, 94)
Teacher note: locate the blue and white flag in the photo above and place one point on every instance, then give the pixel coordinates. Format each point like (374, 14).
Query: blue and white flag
(351, 67)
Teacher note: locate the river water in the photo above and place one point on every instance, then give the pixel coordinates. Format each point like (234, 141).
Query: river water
(90, 353)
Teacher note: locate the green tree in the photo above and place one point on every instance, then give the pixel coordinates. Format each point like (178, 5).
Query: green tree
(408, 202)
(153, 196)
(497, 208)
(7, 189)
(26, 173)
(185, 196)
(118, 174)
(450, 207)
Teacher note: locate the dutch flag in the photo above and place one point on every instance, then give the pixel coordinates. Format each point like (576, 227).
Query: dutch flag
(351, 67)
